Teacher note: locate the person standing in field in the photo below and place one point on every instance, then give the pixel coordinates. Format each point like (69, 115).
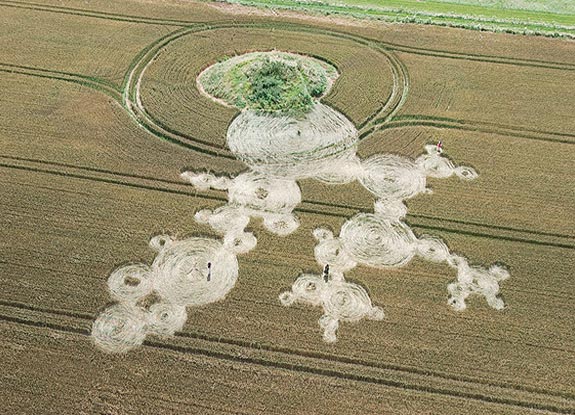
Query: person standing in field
(326, 273)
(440, 146)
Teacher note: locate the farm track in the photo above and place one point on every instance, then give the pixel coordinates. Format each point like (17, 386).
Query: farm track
(308, 206)
(302, 361)
(91, 82)
(483, 127)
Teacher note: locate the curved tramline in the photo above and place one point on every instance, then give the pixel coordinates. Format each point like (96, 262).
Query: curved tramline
(380, 119)
(133, 104)
(384, 117)
(141, 101)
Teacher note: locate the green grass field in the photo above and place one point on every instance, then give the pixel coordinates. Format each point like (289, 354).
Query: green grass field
(537, 17)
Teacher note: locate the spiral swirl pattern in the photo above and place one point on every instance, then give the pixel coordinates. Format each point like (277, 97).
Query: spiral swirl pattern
(433, 249)
(436, 166)
(153, 300)
(306, 289)
(259, 192)
(166, 318)
(466, 173)
(375, 241)
(182, 271)
(130, 282)
(119, 328)
(281, 225)
(225, 219)
(240, 242)
(440, 167)
(476, 280)
(392, 177)
(341, 301)
(284, 146)
(348, 302)
(330, 252)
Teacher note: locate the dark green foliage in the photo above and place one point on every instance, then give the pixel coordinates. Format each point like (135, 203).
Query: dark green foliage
(278, 83)
(276, 86)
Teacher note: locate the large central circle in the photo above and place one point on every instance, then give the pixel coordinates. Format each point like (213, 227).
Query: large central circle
(283, 129)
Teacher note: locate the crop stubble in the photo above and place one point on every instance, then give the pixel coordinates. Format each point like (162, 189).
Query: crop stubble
(93, 47)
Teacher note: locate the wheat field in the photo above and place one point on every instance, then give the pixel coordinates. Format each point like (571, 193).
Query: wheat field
(99, 116)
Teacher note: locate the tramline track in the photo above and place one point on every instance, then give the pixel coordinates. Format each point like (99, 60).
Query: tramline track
(307, 206)
(405, 378)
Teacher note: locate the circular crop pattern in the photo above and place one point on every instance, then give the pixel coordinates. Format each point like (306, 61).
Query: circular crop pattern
(375, 241)
(349, 302)
(255, 191)
(130, 282)
(433, 249)
(166, 318)
(307, 289)
(292, 147)
(119, 328)
(184, 276)
(330, 251)
(392, 177)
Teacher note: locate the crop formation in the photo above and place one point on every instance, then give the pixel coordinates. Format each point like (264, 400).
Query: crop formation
(152, 210)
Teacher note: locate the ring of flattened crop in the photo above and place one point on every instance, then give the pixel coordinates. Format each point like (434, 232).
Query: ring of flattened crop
(171, 99)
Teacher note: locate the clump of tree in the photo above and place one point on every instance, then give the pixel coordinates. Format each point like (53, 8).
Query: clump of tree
(275, 83)
(276, 86)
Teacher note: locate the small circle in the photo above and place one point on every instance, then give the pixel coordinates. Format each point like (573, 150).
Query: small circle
(119, 328)
(130, 282)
